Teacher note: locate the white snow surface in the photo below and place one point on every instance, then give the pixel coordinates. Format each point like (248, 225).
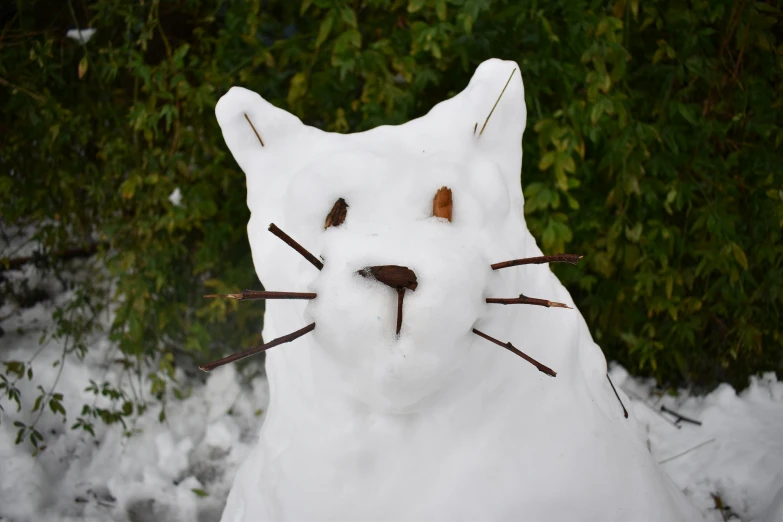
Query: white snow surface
(367, 425)
(176, 197)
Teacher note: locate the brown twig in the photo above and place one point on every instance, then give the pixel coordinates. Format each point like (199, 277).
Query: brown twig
(208, 367)
(559, 258)
(679, 416)
(249, 295)
(526, 300)
(400, 296)
(510, 347)
(625, 412)
(296, 246)
(254, 129)
(496, 102)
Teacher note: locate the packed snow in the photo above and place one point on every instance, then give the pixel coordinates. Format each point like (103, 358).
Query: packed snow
(356, 422)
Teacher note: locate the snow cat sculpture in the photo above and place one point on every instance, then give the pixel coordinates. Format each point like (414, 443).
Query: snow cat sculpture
(389, 255)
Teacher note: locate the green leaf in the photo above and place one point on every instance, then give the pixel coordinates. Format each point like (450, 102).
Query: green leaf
(415, 5)
(200, 492)
(83, 66)
(324, 29)
(348, 16)
(440, 10)
(546, 160)
(739, 256)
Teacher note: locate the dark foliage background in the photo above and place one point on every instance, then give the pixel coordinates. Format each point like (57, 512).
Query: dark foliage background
(653, 147)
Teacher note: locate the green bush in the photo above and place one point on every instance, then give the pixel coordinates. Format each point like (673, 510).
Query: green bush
(652, 147)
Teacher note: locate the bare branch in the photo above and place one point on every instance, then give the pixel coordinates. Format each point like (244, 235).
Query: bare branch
(510, 347)
(288, 240)
(526, 300)
(254, 130)
(559, 258)
(250, 295)
(208, 367)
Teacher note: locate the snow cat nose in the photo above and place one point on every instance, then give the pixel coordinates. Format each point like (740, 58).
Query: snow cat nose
(397, 277)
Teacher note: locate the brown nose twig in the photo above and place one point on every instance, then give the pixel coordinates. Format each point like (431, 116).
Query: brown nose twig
(208, 367)
(559, 258)
(250, 295)
(398, 277)
(288, 240)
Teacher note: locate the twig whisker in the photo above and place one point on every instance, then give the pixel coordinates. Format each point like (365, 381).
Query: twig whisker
(249, 295)
(526, 300)
(511, 348)
(559, 258)
(208, 367)
(288, 240)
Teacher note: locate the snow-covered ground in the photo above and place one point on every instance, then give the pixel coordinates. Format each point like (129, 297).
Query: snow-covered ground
(181, 469)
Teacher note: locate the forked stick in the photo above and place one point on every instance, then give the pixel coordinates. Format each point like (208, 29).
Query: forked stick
(249, 295)
(526, 300)
(208, 367)
(510, 347)
(288, 240)
(559, 258)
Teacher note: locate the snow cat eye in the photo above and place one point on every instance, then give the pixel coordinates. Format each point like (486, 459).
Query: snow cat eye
(442, 203)
(337, 215)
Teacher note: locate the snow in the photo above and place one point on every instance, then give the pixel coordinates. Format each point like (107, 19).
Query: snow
(80, 35)
(355, 423)
(176, 197)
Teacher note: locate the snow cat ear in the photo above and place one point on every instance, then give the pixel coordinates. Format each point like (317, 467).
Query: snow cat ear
(262, 139)
(252, 126)
(496, 99)
(487, 118)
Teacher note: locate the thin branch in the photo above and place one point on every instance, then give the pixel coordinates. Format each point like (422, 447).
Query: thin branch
(254, 130)
(526, 300)
(510, 347)
(559, 258)
(400, 296)
(625, 412)
(249, 295)
(208, 367)
(652, 409)
(496, 102)
(296, 246)
(36, 97)
(679, 416)
(687, 451)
